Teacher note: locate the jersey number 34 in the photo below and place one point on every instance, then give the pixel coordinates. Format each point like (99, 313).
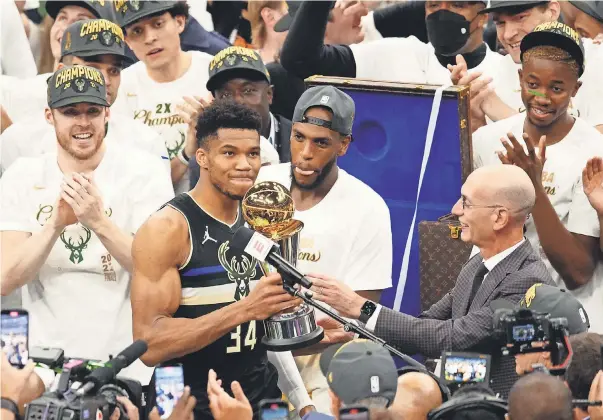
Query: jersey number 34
(250, 339)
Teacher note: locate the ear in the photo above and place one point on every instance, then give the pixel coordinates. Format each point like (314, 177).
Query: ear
(180, 23)
(268, 17)
(107, 114)
(202, 158)
(48, 116)
(578, 85)
(553, 11)
(500, 218)
(507, 417)
(60, 66)
(345, 143)
(270, 94)
(482, 20)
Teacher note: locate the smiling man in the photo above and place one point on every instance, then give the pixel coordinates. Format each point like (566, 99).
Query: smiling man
(67, 219)
(196, 300)
(347, 232)
(564, 228)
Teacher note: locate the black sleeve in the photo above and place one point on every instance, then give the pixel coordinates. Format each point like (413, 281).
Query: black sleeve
(304, 52)
(287, 90)
(402, 20)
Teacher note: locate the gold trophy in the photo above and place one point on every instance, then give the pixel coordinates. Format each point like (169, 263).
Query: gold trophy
(268, 209)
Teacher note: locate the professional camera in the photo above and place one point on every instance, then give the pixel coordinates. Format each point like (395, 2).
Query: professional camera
(89, 390)
(525, 331)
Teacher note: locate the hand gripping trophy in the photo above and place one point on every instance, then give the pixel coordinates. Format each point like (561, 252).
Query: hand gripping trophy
(268, 209)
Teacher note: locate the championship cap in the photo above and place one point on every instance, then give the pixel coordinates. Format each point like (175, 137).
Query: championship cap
(556, 34)
(102, 9)
(236, 62)
(76, 84)
(358, 370)
(339, 103)
(130, 11)
(502, 5)
(86, 38)
(552, 300)
(592, 8)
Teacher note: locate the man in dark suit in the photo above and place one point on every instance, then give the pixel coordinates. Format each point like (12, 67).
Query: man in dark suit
(495, 202)
(239, 74)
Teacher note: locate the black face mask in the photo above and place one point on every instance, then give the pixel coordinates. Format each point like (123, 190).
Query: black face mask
(447, 31)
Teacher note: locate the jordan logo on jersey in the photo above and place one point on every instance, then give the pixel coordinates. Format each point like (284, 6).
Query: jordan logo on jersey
(206, 237)
(240, 270)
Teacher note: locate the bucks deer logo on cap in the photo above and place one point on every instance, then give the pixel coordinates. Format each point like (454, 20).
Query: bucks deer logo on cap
(231, 60)
(324, 100)
(135, 5)
(80, 85)
(106, 38)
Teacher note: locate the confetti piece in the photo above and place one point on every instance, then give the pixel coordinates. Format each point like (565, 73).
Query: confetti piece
(536, 93)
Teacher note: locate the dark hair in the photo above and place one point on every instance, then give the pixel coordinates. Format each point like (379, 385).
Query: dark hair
(549, 52)
(68, 59)
(585, 363)
(225, 114)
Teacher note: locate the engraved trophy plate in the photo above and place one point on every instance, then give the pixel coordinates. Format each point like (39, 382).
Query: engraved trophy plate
(268, 209)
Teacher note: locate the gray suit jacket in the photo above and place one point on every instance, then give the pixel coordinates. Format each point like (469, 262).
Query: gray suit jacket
(448, 325)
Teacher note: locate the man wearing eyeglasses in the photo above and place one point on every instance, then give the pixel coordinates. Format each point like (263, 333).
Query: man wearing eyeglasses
(493, 208)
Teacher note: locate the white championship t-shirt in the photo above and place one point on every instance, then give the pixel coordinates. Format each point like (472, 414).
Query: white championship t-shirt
(347, 235)
(154, 104)
(587, 104)
(562, 179)
(408, 60)
(34, 137)
(24, 98)
(80, 301)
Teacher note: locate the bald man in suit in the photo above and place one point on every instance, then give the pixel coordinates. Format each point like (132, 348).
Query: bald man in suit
(495, 202)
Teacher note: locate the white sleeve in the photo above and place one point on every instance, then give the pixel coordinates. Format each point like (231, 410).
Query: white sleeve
(372, 321)
(371, 33)
(9, 142)
(582, 217)
(152, 190)
(13, 200)
(370, 258)
(289, 379)
(17, 59)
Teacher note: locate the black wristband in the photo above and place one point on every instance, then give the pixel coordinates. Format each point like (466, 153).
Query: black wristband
(11, 406)
(185, 156)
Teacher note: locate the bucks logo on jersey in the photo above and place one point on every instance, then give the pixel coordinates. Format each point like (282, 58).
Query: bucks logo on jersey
(240, 269)
(174, 147)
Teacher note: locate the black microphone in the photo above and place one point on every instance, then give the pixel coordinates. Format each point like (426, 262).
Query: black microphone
(263, 249)
(103, 375)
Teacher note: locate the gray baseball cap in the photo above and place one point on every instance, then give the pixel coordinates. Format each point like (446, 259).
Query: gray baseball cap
(130, 11)
(86, 38)
(102, 9)
(76, 84)
(555, 301)
(592, 8)
(338, 102)
(502, 5)
(358, 370)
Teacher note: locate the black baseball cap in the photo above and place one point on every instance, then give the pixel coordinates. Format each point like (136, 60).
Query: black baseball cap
(130, 11)
(555, 301)
(284, 23)
(338, 102)
(102, 9)
(592, 8)
(234, 62)
(556, 34)
(76, 84)
(502, 5)
(86, 38)
(360, 369)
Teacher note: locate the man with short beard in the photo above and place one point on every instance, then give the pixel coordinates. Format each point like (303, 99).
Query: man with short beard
(67, 219)
(347, 232)
(25, 97)
(96, 43)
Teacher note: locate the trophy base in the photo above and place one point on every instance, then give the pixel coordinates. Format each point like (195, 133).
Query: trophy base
(294, 343)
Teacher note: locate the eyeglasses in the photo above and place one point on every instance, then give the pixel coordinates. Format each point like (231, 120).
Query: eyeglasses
(478, 206)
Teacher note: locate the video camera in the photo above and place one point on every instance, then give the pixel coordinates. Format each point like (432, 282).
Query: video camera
(88, 390)
(525, 331)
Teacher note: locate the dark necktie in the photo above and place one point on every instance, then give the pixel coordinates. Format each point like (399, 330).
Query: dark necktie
(477, 282)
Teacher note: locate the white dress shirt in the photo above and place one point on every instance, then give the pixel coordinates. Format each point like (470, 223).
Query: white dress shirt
(490, 263)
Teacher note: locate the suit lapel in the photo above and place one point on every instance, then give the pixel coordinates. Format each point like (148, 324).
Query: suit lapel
(463, 287)
(507, 266)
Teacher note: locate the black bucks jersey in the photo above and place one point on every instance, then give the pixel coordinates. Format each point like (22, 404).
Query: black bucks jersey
(213, 277)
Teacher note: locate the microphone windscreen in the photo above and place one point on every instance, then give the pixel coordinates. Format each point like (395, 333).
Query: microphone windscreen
(241, 238)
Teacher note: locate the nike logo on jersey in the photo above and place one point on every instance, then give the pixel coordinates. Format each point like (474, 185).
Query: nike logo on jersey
(206, 237)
